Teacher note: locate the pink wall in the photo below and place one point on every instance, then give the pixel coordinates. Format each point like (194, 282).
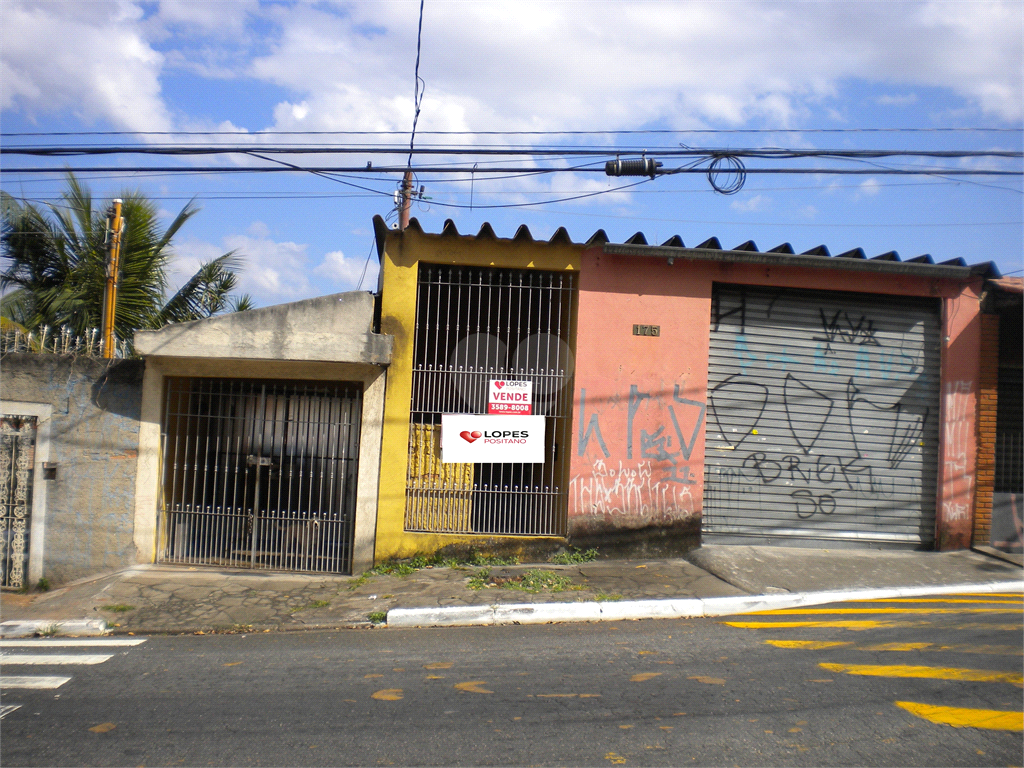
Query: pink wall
(638, 449)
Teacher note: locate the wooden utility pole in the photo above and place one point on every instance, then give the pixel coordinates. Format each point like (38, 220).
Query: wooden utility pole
(113, 264)
(406, 202)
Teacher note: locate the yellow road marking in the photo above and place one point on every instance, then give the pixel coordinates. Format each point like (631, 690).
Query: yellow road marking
(388, 694)
(810, 645)
(817, 645)
(866, 624)
(848, 624)
(814, 611)
(1018, 601)
(473, 686)
(896, 647)
(643, 676)
(438, 665)
(103, 728)
(957, 717)
(932, 673)
(708, 680)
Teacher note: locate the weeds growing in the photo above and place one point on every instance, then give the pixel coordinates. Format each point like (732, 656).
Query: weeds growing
(117, 608)
(574, 557)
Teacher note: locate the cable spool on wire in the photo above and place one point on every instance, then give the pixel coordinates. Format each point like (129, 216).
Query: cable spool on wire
(645, 166)
(727, 174)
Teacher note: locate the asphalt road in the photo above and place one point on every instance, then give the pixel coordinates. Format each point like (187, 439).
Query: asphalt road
(927, 681)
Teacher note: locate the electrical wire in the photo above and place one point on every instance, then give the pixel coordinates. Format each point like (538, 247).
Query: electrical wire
(624, 132)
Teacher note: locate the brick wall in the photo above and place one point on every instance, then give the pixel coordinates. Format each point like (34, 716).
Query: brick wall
(986, 428)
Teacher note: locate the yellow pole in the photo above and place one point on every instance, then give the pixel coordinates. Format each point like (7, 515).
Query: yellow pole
(114, 222)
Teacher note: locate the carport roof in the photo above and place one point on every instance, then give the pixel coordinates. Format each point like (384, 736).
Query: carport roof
(712, 250)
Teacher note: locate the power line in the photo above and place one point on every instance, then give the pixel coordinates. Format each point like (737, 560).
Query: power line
(290, 168)
(767, 153)
(625, 132)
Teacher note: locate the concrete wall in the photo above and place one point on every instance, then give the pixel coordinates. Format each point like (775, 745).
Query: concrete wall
(327, 338)
(87, 511)
(618, 498)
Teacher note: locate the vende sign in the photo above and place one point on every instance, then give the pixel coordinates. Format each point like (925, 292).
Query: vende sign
(510, 397)
(477, 439)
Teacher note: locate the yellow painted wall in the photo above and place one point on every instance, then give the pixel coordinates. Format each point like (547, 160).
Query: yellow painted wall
(403, 251)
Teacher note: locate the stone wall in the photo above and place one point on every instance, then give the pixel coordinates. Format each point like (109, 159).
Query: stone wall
(93, 449)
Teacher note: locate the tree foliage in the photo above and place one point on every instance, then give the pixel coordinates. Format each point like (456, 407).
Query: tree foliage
(55, 257)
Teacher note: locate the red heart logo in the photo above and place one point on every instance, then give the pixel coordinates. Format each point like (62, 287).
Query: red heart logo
(499, 384)
(471, 437)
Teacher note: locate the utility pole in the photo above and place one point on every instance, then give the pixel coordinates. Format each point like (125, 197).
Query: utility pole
(406, 202)
(113, 265)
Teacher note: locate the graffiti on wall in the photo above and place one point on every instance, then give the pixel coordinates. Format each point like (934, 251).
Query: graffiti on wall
(655, 476)
(958, 434)
(834, 423)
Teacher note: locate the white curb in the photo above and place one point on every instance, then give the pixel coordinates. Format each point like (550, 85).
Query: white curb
(63, 627)
(680, 608)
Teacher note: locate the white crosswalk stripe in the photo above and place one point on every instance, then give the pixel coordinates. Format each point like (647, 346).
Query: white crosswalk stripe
(54, 659)
(9, 682)
(61, 658)
(6, 709)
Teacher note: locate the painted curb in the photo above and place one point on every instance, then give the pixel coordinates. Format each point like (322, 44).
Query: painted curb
(680, 608)
(55, 627)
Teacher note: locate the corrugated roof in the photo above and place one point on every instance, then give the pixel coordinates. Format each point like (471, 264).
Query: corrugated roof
(712, 250)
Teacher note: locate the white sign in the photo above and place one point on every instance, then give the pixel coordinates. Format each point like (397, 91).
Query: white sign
(512, 398)
(477, 439)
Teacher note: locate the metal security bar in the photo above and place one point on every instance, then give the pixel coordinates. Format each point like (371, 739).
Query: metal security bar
(17, 458)
(260, 474)
(1009, 475)
(474, 324)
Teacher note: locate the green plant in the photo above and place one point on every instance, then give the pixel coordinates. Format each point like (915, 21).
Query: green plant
(479, 581)
(48, 631)
(378, 617)
(480, 559)
(43, 585)
(55, 267)
(602, 597)
(117, 608)
(393, 568)
(360, 580)
(574, 556)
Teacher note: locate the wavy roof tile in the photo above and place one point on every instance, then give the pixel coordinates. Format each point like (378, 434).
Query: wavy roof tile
(712, 250)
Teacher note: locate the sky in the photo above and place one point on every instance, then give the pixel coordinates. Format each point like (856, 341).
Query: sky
(732, 74)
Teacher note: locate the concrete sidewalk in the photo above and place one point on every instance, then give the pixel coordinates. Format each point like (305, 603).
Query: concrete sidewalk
(150, 599)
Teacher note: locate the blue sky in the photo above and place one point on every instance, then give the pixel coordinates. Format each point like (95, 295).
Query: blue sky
(248, 68)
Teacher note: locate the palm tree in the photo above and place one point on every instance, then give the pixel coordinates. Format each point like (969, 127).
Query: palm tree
(56, 267)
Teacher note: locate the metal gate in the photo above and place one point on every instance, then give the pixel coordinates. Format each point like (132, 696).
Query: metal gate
(822, 417)
(17, 460)
(474, 324)
(260, 474)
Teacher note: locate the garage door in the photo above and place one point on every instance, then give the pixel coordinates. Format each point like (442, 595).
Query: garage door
(822, 417)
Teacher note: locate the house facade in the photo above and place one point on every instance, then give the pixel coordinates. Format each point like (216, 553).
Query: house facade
(667, 396)
(689, 394)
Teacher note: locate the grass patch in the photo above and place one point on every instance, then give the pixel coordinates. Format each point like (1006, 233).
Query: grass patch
(532, 581)
(358, 582)
(479, 581)
(407, 567)
(604, 597)
(574, 557)
(378, 617)
(314, 604)
(47, 631)
(43, 585)
(117, 608)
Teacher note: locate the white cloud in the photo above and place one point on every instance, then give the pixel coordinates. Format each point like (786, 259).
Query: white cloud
(867, 188)
(904, 100)
(534, 64)
(274, 271)
(749, 204)
(89, 59)
(344, 273)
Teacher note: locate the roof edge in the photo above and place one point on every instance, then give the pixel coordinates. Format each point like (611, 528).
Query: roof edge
(801, 260)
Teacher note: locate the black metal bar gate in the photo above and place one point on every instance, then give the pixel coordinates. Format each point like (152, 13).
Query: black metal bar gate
(260, 474)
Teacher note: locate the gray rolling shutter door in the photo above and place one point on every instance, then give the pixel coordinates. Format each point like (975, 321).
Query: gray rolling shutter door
(822, 416)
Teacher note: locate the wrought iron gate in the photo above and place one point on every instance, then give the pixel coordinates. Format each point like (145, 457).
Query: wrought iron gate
(17, 459)
(260, 474)
(474, 324)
